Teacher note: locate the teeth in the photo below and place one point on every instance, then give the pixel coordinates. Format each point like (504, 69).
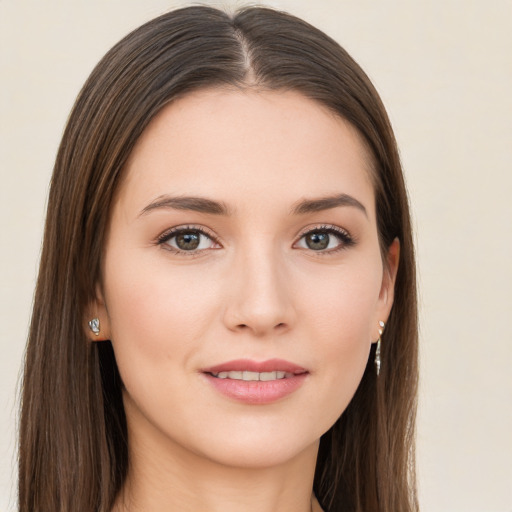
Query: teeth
(250, 376)
(253, 376)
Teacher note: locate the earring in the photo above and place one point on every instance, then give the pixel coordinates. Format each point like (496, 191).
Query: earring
(94, 325)
(377, 351)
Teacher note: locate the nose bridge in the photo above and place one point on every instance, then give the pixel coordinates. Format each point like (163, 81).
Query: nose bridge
(260, 299)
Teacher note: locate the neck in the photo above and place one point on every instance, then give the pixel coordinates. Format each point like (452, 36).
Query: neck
(168, 478)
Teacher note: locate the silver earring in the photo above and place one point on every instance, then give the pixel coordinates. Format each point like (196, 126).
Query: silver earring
(94, 325)
(377, 351)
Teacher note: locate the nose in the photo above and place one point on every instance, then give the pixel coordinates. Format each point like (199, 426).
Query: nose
(260, 299)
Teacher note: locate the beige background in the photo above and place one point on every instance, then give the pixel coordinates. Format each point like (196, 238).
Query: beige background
(444, 70)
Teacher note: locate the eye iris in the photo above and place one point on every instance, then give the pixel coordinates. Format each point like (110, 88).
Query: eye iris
(188, 240)
(317, 240)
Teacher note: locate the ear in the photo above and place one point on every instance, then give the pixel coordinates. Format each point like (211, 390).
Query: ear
(387, 290)
(97, 330)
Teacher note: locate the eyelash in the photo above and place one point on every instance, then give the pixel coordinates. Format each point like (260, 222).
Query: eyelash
(346, 240)
(173, 232)
(344, 237)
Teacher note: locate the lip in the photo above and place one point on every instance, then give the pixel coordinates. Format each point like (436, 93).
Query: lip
(256, 392)
(270, 365)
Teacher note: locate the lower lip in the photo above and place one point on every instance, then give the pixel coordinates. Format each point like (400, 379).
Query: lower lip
(257, 392)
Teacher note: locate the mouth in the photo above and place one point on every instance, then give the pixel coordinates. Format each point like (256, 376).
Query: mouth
(253, 382)
(249, 376)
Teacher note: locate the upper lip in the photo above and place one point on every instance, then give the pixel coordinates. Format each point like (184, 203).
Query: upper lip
(270, 365)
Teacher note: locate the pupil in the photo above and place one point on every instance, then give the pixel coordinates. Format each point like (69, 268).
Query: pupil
(317, 241)
(187, 241)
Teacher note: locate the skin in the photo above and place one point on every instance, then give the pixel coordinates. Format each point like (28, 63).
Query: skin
(254, 290)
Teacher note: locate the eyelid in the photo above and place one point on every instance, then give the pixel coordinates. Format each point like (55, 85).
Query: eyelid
(323, 227)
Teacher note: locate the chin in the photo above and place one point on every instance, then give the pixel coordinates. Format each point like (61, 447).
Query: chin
(261, 452)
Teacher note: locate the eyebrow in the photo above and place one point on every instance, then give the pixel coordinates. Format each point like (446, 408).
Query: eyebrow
(196, 204)
(326, 203)
(209, 206)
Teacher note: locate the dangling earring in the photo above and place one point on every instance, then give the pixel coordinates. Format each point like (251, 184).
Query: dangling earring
(377, 351)
(94, 325)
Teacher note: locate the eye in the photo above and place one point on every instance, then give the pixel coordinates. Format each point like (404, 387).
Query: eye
(187, 240)
(325, 239)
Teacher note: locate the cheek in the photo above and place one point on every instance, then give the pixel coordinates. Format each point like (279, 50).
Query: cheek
(340, 321)
(342, 303)
(153, 314)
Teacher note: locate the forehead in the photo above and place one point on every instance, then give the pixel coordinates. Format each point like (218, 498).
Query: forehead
(232, 144)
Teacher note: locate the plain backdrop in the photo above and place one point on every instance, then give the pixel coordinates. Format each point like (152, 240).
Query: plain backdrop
(444, 70)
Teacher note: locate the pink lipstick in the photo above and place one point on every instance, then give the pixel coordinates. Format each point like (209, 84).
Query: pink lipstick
(254, 382)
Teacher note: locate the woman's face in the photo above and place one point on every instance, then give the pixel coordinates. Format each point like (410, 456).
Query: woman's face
(242, 278)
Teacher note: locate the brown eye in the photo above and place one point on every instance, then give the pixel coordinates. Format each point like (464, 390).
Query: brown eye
(188, 240)
(325, 239)
(317, 240)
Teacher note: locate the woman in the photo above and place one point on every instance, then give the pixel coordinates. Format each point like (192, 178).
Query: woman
(227, 240)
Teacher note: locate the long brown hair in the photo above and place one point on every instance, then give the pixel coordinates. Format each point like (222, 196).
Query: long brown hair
(73, 452)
